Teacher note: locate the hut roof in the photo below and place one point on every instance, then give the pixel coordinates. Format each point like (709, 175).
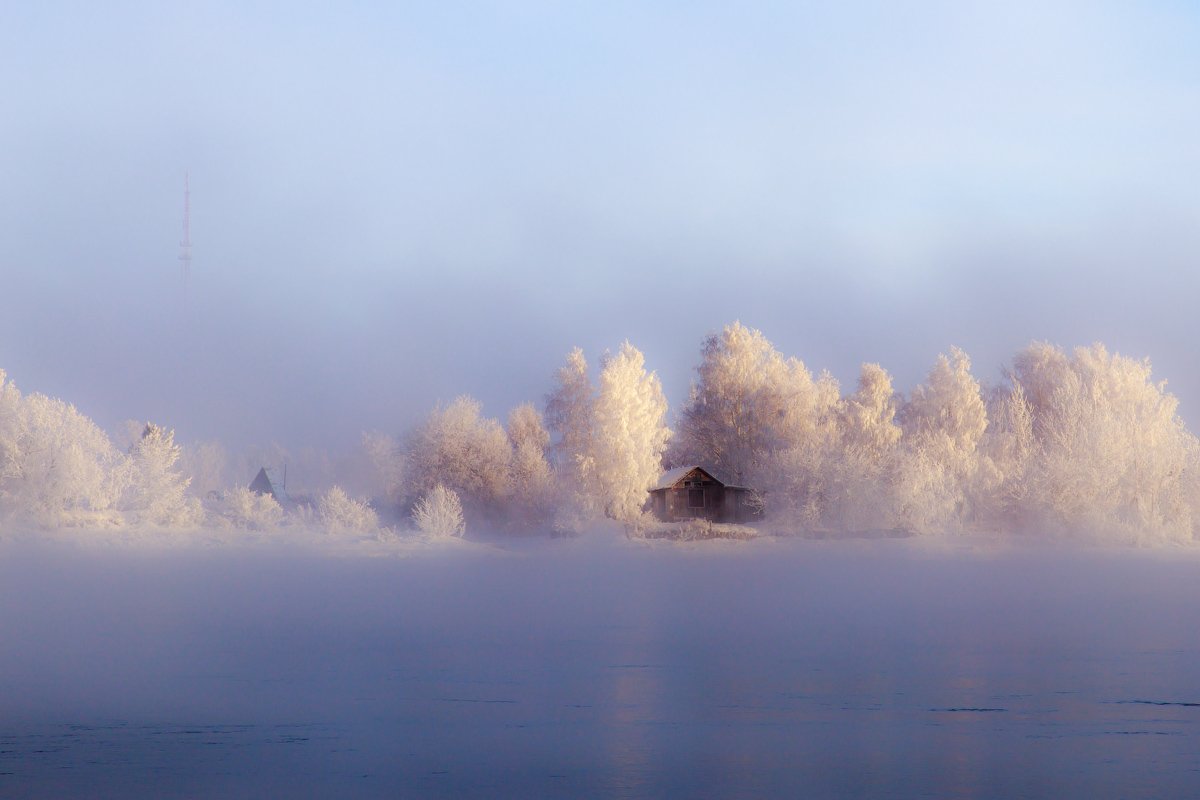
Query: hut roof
(672, 477)
(263, 484)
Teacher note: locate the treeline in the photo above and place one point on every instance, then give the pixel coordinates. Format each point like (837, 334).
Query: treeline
(592, 455)
(59, 469)
(1082, 442)
(1079, 442)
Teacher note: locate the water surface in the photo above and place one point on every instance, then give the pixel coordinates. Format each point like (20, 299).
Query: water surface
(598, 668)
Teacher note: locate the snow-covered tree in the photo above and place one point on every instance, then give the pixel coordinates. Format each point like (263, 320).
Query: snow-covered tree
(943, 421)
(439, 513)
(867, 418)
(1012, 448)
(570, 417)
(732, 421)
(532, 481)
(797, 478)
(340, 513)
(1040, 369)
(761, 420)
(947, 412)
(11, 426)
(860, 471)
(525, 428)
(56, 466)
(630, 433)
(569, 412)
(157, 491)
(460, 449)
(1113, 454)
(242, 508)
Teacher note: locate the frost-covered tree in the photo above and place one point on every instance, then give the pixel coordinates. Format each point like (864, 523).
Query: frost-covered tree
(57, 467)
(570, 417)
(460, 449)
(525, 428)
(732, 422)
(242, 508)
(759, 419)
(867, 441)
(1113, 454)
(439, 513)
(943, 422)
(630, 433)
(11, 426)
(867, 418)
(340, 513)
(947, 411)
(531, 479)
(1011, 448)
(797, 481)
(157, 490)
(1040, 370)
(569, 413)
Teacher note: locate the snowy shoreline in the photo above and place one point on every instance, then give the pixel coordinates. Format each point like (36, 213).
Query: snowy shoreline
(732, 540)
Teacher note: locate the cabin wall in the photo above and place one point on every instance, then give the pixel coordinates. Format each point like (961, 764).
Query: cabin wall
(737, 509)
(674, 505)
(721, 504)
(697, 496)
(658, 504)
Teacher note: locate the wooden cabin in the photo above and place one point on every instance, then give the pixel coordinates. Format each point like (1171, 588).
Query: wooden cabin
(695, 493)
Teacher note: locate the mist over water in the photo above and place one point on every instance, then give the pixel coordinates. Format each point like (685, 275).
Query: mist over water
(602, 667)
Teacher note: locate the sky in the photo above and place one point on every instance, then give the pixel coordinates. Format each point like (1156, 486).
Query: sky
(393, 204)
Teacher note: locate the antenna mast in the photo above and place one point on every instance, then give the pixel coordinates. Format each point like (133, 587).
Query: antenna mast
(185, 246)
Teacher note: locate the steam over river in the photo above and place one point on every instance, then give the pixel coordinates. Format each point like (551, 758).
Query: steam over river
(598, 667)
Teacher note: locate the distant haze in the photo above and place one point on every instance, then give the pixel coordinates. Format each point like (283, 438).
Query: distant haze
(393, 205)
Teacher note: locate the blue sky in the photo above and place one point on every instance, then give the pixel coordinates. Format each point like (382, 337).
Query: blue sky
(395, 204)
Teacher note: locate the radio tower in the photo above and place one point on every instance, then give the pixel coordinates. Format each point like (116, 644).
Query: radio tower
(185, 246)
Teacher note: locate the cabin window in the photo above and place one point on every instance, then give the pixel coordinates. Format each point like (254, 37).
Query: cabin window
(695, 498)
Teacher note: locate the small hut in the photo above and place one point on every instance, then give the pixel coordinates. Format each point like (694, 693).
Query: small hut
(695, 493)
(264, 484)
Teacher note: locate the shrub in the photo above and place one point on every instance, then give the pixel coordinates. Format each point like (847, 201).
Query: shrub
(340, 513)
(246, 509)
(439, 513)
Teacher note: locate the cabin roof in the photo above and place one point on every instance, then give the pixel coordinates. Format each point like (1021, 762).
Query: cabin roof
(264, 483)
(671, 477)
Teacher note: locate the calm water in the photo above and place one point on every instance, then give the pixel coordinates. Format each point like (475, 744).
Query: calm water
(583, 668)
